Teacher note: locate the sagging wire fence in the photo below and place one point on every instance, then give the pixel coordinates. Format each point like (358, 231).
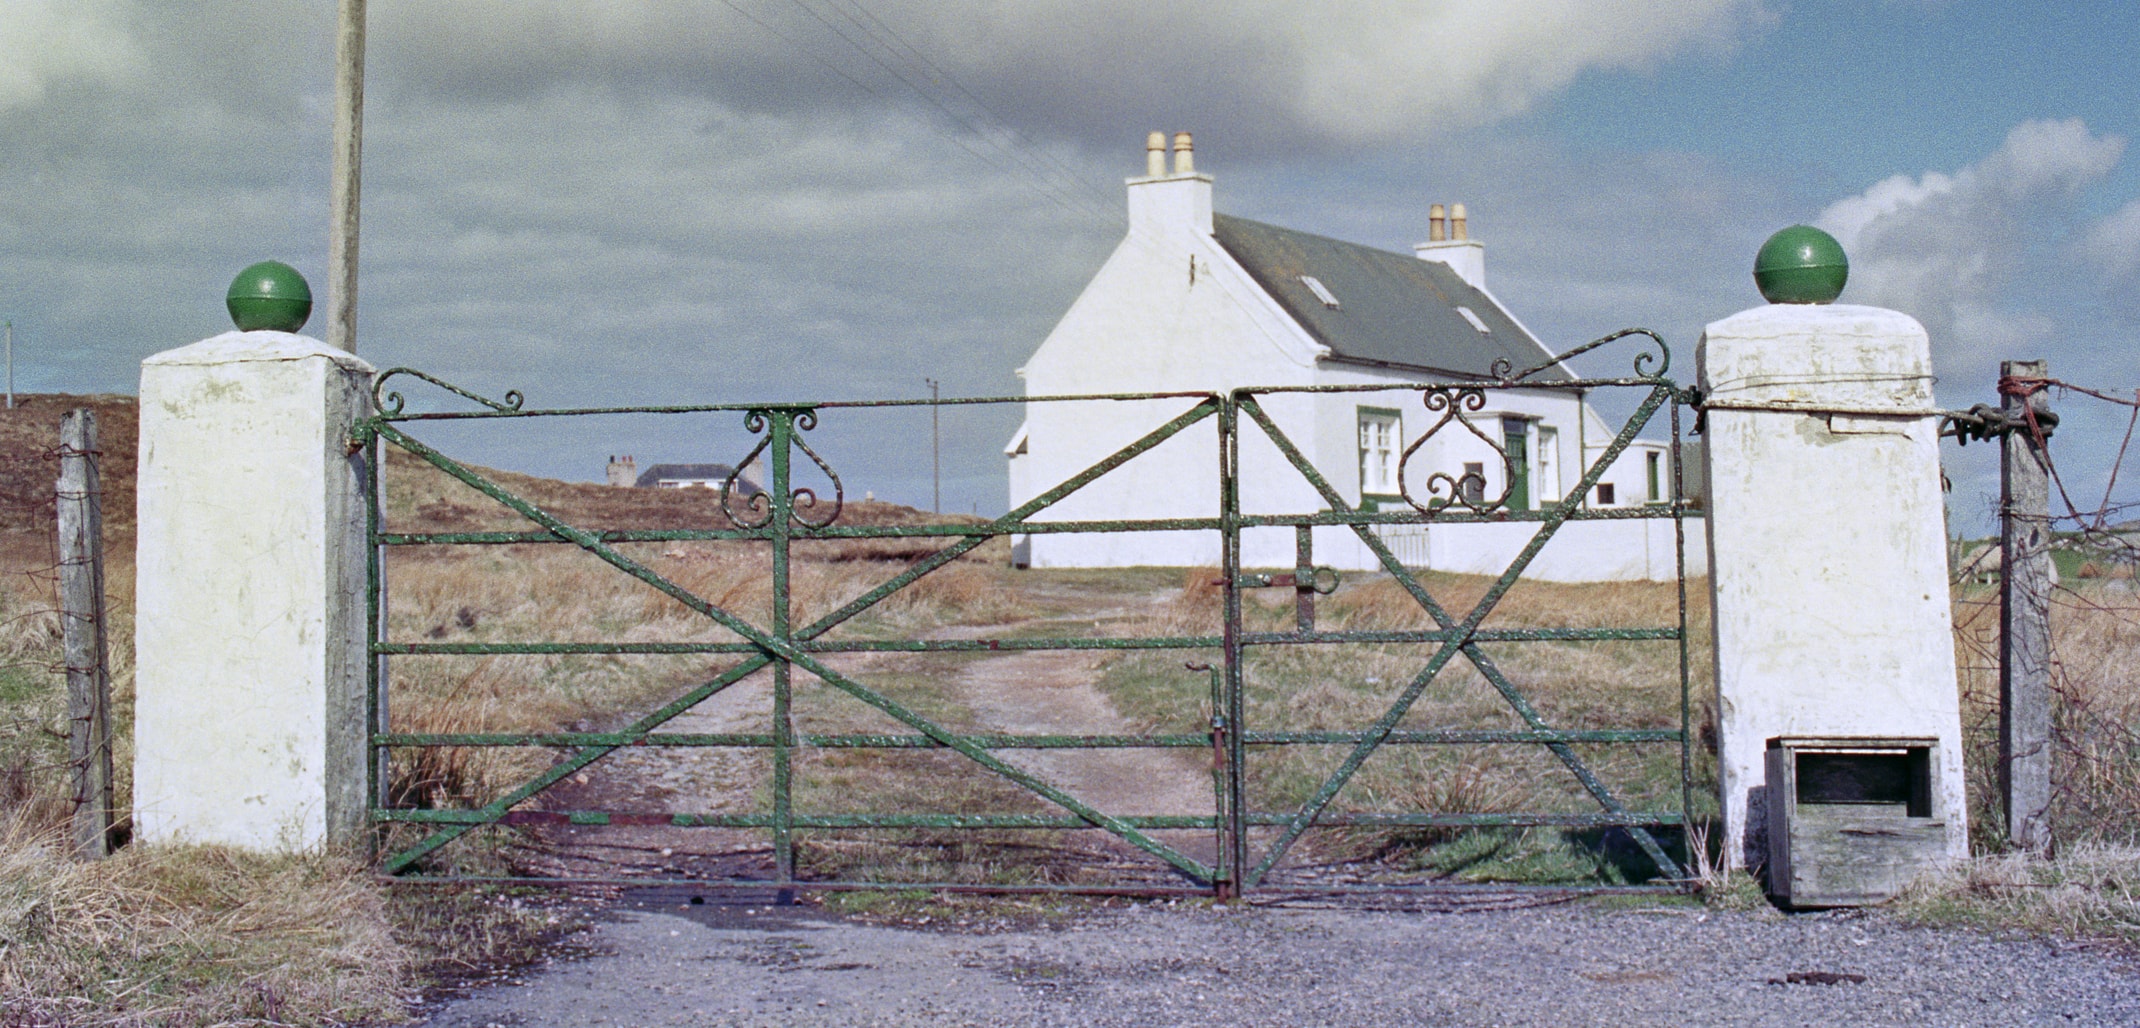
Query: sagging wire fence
(57, 746)
(2047, 619)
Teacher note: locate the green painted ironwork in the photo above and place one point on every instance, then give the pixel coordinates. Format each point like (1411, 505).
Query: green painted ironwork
(784, 514)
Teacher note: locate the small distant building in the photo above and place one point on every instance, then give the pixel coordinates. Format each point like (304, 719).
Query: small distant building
(624, 472)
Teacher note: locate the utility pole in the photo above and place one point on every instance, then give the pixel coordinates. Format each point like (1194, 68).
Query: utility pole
(936, 449)
(348, 167)
(2024, 616)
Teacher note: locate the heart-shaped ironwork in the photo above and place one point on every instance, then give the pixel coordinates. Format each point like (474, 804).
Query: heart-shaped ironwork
(1452, 402)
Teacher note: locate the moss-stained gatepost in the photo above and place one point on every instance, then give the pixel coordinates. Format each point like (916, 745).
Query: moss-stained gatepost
(1828, 562)
(249, 636)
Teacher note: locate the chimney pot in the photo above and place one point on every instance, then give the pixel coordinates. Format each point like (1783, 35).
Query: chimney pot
(1437, 226)
(1184, 154)
(1457, 228)
(1155, 154)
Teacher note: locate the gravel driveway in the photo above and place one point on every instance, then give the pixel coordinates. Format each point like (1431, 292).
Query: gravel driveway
(661, 961)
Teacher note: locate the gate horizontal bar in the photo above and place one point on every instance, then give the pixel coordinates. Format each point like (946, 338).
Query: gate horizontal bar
(765, 885)
(1446, 516)
(744, 740)
(1157, 642)
(757, 739)
(1603, 819)
(804, 534)
(1488, 635)
(593, 817)
(1664, 511)
(390, 405)
(1172, 642)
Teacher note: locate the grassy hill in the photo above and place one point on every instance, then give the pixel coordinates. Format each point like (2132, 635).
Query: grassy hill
(29, 461)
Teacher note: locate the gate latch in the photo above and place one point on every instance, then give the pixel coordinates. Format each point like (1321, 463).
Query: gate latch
(1322, 581)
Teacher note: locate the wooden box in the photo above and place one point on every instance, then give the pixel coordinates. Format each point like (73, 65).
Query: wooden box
(1851, 819)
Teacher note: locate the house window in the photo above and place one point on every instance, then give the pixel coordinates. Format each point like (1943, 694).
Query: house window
(1474, 483)
(1381, 446)
(1548, 461)
(1656, 460)
(1605, 497)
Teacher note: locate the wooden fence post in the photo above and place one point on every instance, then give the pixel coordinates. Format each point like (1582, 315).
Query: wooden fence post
(2024, 620)
(81, 605)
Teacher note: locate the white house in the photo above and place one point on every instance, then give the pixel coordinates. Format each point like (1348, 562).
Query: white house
(1193, 300)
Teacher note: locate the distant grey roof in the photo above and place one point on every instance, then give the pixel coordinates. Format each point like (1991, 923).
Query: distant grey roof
(659, 473)
(1392, 308)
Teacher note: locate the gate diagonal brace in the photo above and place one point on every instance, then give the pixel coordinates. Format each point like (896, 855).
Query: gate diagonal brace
(1460, 641)
(773, 648)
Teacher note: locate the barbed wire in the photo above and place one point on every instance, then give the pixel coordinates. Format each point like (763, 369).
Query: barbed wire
(2095, 623)
(30, 594)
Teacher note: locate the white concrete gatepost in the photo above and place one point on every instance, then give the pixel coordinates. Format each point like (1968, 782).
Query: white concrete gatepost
(1827, 562)
(249, 627)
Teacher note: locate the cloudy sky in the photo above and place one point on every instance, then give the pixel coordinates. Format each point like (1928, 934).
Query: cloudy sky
(675, 201)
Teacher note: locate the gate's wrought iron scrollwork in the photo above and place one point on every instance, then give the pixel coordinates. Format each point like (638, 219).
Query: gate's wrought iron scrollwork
(1467, 490)
(1649, 366)
(391, 403)
(758, 511)
(760, 503)
(805, 499)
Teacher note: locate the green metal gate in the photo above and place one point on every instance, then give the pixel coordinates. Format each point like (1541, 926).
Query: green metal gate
(1246, 837)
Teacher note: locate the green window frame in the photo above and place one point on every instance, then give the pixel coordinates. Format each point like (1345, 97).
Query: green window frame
(1380, 438)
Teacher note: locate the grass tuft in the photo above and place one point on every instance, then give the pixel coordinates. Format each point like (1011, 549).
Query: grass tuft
(2090, 891)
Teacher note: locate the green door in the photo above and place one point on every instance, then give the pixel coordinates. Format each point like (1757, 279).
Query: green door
(1513, 431)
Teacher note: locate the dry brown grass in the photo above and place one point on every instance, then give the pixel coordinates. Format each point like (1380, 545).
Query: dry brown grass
(33, 700)
(2090, 891)
(2095, 633)
(191, 936)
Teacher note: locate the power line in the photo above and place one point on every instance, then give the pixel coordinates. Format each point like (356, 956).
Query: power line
(934, 70)
(863, 86)
(1068, 198)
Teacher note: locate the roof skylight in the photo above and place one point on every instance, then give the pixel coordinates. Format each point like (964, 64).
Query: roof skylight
(1323, 293)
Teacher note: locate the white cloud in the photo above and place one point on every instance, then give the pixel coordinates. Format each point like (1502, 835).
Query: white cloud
(1261, 73)
(1951, 249)
(47, 42)
(2113, 243)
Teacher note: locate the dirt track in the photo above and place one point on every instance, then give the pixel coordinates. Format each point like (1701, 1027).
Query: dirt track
(1025, 692)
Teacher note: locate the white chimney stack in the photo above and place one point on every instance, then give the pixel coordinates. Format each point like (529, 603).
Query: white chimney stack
(1165, 205)
(1450, 243)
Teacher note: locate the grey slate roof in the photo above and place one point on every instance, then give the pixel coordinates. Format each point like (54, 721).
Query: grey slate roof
(654, 475)
(1393, 309)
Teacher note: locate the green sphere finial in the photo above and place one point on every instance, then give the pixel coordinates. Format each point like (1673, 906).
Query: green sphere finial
(1801, 264)
(269, 296)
